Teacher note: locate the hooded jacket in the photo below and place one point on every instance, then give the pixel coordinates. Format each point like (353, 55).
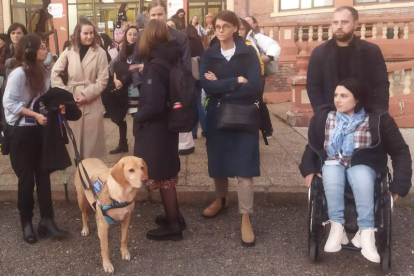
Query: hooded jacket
(386, 139)
(154, 142)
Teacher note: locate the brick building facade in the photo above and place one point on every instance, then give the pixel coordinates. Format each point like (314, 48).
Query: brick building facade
(269, 17)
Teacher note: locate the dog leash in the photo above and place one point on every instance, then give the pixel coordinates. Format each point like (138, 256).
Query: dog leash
(90, 187)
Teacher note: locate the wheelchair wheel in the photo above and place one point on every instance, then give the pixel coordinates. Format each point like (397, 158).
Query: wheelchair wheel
(314, 226)
(386, 235)
(385, 228)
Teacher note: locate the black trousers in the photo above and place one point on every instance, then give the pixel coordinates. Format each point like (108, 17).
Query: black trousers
(26, 160)
(265, 122)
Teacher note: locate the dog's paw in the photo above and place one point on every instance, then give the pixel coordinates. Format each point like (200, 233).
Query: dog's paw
(125, 255)
(85, 232)
(108, 267)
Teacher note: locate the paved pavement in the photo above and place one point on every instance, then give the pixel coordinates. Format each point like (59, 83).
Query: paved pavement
(210, 247)
(280, 182)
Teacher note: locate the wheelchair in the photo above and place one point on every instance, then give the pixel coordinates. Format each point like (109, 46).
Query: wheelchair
(318, 232)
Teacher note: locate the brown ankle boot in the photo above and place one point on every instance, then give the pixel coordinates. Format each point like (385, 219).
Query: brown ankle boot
(215, 208)
(247, 235)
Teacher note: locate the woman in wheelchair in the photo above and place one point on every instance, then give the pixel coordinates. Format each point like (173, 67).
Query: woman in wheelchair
(352, 144)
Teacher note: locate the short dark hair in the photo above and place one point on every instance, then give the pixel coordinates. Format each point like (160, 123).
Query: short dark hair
(353, 11)
(14, 27)
(227, 16)
(143, 9)
(358, 90)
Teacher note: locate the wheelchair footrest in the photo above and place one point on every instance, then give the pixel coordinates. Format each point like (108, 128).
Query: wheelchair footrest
(350, 246)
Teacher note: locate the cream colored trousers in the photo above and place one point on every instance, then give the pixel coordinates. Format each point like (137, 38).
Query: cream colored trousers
(245, 192)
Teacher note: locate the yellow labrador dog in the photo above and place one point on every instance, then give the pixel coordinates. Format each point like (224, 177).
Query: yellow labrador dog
(116, 189)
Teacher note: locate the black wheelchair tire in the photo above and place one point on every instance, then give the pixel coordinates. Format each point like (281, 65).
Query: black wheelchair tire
(387, 234)
(313, 251)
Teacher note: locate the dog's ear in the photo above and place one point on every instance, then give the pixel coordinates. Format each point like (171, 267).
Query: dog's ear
(117, 172)
(145, 170)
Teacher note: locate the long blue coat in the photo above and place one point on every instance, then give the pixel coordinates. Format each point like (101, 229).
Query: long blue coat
(231, 153)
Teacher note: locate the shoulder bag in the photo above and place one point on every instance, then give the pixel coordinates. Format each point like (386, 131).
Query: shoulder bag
(6, 132)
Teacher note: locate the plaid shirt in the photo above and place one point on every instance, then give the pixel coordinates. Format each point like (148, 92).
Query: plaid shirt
(362, 136)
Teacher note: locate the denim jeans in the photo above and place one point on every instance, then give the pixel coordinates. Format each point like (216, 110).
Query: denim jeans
(201, 111)
(361, 178)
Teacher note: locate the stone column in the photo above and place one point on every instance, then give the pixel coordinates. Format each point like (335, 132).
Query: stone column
(300, 111)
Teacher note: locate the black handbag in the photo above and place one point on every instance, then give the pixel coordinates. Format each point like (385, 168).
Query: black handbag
(238, 117)
(6, 132)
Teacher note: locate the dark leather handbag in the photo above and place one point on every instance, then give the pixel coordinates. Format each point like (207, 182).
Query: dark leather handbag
(238, 117)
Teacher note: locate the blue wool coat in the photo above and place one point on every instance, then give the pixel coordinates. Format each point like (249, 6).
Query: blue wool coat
(231, 153)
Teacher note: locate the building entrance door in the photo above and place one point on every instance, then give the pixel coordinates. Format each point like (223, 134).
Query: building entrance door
(201, 8)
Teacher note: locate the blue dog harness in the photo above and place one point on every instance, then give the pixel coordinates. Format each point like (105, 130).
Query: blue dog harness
(100, 192)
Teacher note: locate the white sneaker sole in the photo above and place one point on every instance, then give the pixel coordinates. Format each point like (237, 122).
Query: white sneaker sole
(374, 260)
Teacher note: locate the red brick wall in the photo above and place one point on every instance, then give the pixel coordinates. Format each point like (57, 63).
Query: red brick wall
(278, 82)
(262, 9)
(1, 17)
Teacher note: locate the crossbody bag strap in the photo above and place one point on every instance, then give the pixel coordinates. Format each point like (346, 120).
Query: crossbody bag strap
(21, 116)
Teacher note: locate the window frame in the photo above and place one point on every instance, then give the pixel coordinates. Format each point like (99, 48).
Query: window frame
(306, 9)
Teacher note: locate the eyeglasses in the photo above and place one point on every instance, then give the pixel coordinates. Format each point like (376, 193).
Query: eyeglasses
(225, 27)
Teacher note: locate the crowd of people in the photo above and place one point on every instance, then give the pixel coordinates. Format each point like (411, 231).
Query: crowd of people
(349, 136)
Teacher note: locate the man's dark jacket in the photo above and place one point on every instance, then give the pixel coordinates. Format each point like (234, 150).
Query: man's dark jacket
(386, 139)
(366, 64)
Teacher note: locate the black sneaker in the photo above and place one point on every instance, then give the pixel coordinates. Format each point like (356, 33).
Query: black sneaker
(161, 220)
(164, 234)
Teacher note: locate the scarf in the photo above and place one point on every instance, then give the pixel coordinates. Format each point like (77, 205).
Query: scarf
(341, 140)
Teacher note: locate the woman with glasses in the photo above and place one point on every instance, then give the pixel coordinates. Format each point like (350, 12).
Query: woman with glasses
(27, 82)
(230, 73)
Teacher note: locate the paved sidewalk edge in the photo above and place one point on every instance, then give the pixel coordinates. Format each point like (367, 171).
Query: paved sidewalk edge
(282, 196)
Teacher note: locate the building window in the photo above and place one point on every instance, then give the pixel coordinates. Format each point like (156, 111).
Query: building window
(371, 1)
(304, 4)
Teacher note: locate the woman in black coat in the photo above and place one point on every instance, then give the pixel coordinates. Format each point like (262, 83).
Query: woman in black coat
(353, 144)
(154, 142)
(118, 97)
(230, 73)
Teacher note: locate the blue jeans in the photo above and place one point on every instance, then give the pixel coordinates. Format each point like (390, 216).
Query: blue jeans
(361, 178)
(201, 111)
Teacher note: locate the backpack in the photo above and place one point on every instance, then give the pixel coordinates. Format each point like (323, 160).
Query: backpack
(182, 103)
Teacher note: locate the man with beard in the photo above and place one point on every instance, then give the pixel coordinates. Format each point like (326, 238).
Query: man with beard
(343, 57)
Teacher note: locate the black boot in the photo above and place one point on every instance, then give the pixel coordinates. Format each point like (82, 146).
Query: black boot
(165, 234)
(122, 147)
(161, 220)
(29, 235)
(48, 226)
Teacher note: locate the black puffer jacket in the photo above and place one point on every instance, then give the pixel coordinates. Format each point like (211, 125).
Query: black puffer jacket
(386, 139)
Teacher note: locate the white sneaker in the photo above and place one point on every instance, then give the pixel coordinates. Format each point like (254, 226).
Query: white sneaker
(369, 250)
(337, 237)
(356, 241)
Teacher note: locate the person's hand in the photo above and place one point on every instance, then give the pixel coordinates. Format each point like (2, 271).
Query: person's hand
(62, 109)
(140, 67)
(265, 58)
(394, 196)
(81, 100)
(242, 80)
(210, 76)
(41, 120)
(309, 178)
(118, 84)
